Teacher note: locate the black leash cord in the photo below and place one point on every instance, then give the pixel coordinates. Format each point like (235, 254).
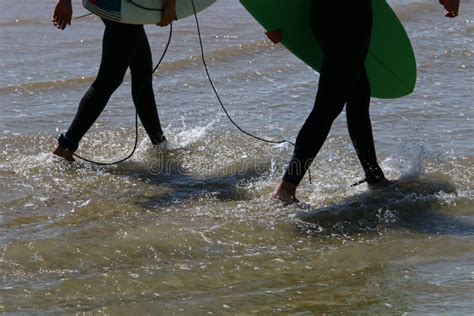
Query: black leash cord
(82, 16)
(217, 94)
(136, 113)
(220, 100)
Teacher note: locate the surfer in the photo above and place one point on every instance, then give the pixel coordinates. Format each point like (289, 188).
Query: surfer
(124, 46)
(343, 82)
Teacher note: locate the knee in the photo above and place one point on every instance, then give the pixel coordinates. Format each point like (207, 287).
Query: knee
(332, 112)
(359, 100)
(142, 86)
(141, 74)
(328, 111)
(108, 85)
(141, 79)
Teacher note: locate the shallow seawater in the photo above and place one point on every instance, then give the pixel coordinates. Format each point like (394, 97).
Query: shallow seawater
(190, 229)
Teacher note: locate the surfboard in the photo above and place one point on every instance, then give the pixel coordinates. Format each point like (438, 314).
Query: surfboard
(141, 11)
(391, 62)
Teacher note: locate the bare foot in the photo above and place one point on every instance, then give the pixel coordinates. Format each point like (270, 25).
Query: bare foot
(159, 142)
(286, 193)
(64, 153)
(381, 184)
(163, 146)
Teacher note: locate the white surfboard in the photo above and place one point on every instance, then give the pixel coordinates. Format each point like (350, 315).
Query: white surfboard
(141, 11)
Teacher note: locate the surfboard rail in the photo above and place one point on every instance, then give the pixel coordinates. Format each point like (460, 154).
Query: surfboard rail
(141, 11)
(391, 62)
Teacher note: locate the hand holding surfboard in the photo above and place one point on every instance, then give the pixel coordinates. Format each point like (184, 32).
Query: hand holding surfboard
(391, 61)
(169, 13)
(62, 15)
(452, 6)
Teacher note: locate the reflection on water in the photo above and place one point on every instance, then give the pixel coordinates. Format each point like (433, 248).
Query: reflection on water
(113, 239)
(416, 204)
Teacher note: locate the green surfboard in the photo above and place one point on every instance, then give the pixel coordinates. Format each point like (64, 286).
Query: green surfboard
(390, 63)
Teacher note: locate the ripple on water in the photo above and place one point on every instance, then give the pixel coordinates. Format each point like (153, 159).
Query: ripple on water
(78, 237)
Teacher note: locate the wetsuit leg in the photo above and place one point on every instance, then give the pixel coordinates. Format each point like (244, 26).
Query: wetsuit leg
(343, 31)
(360, 128)
(141, 67)
(120, 43)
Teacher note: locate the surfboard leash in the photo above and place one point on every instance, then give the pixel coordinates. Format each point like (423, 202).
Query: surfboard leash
(136, 112)
(82, 16)
(203, 57)
(355, 184)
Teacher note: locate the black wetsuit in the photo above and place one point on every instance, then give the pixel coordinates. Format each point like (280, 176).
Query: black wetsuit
(124, 46)
(343, 30)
